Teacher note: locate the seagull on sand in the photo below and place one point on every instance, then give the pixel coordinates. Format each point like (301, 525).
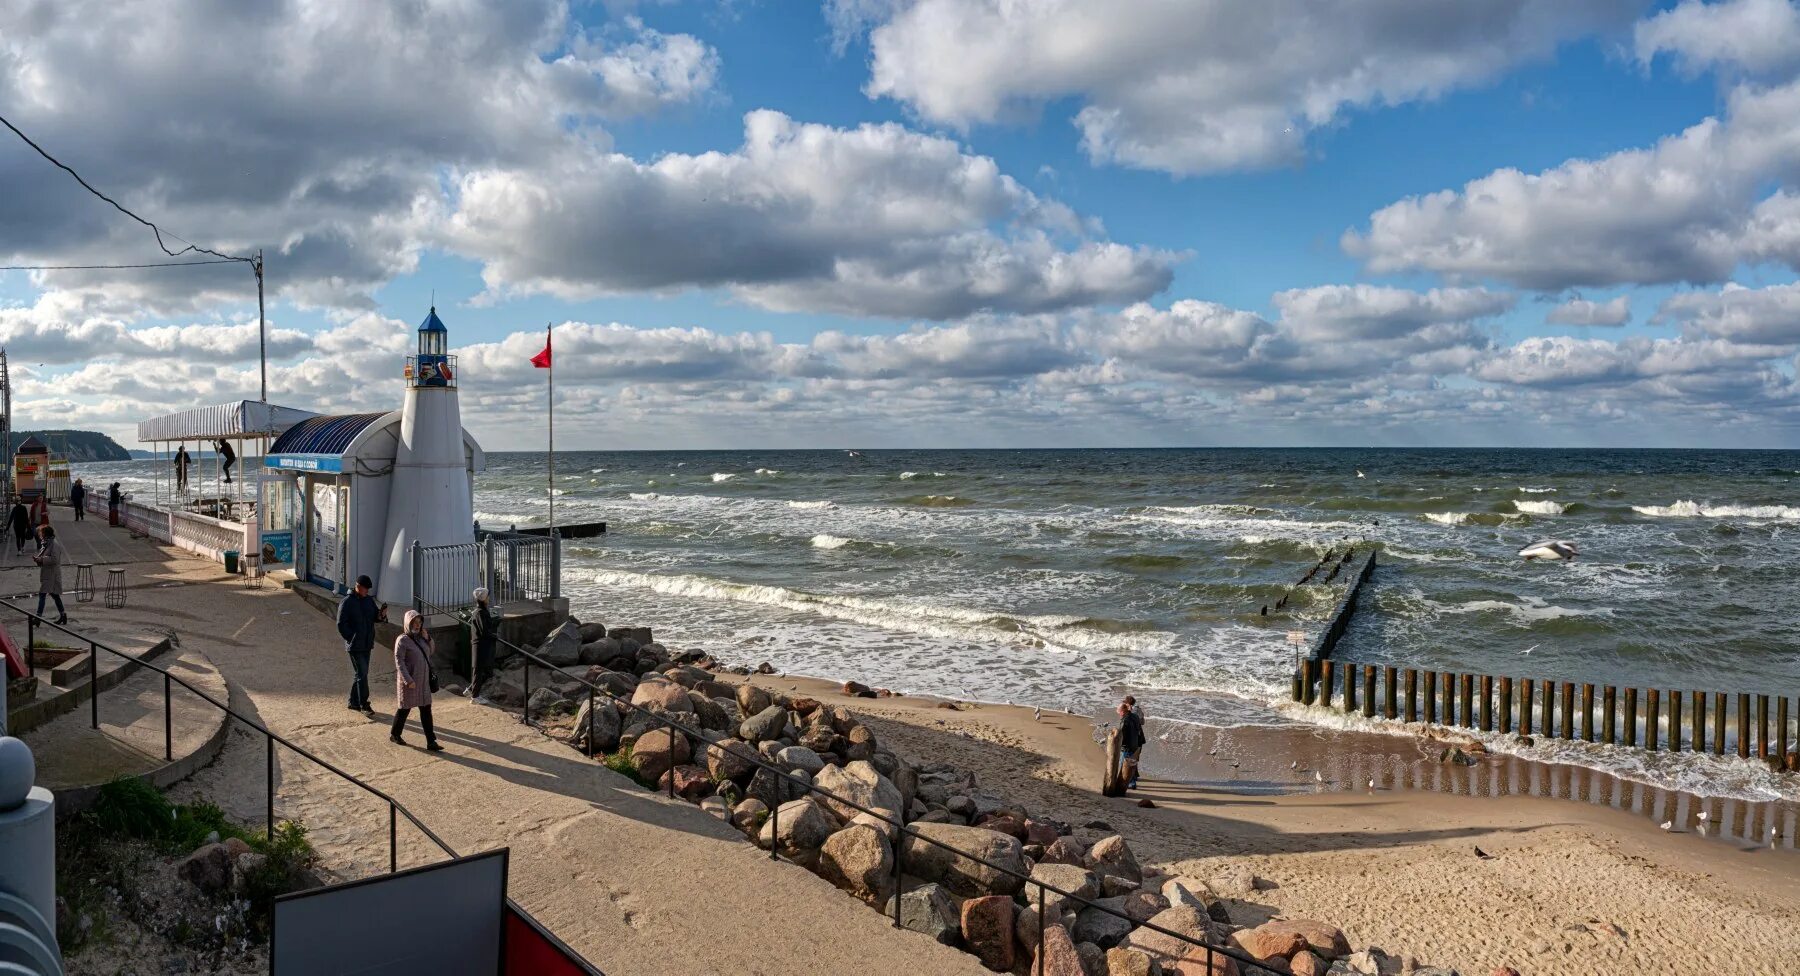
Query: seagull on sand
(1037, 714)
(1704, 816)
(1296, 764)
(1371, 783)
(1318, 777)
(1668, 825)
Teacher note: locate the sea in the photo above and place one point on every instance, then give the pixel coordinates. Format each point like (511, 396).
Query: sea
(1065, 578)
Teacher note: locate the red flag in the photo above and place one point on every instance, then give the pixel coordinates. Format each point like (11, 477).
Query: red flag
(542, 359)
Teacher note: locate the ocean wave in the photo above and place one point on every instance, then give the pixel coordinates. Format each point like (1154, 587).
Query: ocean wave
(767, 471)
(1536, 491)
(824, 541)
(644, 496)
(1448, 518)
(1541, 508)
(1056, 632)
(1690, 509)
(722, 476)
(908, 475)
(937, 501)
(814, 504)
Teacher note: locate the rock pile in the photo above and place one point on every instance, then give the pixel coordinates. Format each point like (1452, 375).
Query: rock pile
(967, 851)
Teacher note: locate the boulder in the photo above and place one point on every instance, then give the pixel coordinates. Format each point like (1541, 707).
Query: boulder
(838, 717)
(752, 699)
(596, 652)
(859, 860)
(958, 873)
(1077, 881)
(931, 910)
(710, 716)
(886, 829)
(563, 647)
(861, 784)
(803, 706)
(506, 690)
(208, 868)
(800, 757)
(604, 725)
(799, 827)
(1130, 962)
(1041, 833)
(717, 807)
(773, 790)
(243, 867)
(686, 676)
(748, 815)
(822, 740)
(763, 725)
(663, 694)
(1111, 856)
(1055, 955)
(1103, 929)
(1322, 938)
(987, 930)
(543, 701)
(1065, 850)
(1142, 906)
(960, 805)
(859, 744)
(691, 782)
(715, 689)
(1192, 891)
(1309, 963)
(1188, 958)
(1264, 944)
(729, 760)
(591, 632)
(616, 683)
(658, 751)
(1004, 823)
(1233, 881)
(853, 688)
(1113, 886)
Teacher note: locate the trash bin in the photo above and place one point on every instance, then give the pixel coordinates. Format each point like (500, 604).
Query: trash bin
(231, 561)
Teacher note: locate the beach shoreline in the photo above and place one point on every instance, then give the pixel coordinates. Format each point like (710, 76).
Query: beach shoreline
(1397, 865)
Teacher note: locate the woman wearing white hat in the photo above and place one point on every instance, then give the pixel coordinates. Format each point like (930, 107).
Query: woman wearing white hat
(413, 680)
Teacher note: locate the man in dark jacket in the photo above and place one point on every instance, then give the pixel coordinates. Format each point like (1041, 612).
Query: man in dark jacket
(356, 620)
(486, 624)
(1131, 739)
(78, 499)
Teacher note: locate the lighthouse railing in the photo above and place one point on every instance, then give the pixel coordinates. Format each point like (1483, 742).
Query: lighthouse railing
(513, 568)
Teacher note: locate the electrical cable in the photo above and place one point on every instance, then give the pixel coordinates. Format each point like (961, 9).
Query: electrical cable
(109, 267)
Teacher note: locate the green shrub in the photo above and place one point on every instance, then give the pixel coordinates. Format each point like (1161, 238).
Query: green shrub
(620, 762)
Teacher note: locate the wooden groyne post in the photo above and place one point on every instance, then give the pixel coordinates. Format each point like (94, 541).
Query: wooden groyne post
(1341, 612)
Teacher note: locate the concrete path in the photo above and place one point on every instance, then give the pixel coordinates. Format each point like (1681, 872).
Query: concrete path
(636, 883)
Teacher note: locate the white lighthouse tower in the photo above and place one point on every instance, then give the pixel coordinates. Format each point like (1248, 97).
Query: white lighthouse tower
(432, 501)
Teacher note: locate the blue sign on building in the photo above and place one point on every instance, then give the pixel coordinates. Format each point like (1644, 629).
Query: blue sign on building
(304, 462)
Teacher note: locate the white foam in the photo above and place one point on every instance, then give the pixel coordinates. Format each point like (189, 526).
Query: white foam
(908, 475)
(644, 496)
(823, 541)
(769, 471)
(1691, 509)
(722, 476)
(1448, 518)
(817, 504)
(1533, 491)
(1540, 508)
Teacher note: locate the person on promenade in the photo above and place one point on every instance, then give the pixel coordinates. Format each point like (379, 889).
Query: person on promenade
(19, 520)
(413, 680)
(78, 499)
(181, 468)
(1131, 739)
(356, 620)
(486, 624)
(113, 497)
(49, 560)
(227, 457)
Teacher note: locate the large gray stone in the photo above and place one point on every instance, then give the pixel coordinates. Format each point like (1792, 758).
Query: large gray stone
(929, 909)
(800, 757)
(752, 699)
(662, 693)
(563, 647)
(710, 715)
(858, 783)
(773, 789)
(729, 760)
(1112, 856)
(764, 725)
(961, 874)
(859, 860)
(592, 631)
(800, 827)
(1102, 928)
(658, 751)
(1173, 953)
(1078, 882)
(605, 726)
(543, 700)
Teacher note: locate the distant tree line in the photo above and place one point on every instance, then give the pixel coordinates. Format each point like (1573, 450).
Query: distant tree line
(78, 445)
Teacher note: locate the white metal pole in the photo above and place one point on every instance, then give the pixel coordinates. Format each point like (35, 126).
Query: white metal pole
(550, 385)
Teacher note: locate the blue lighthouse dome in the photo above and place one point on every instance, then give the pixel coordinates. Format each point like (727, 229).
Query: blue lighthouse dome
(433, 366)
(432, 323)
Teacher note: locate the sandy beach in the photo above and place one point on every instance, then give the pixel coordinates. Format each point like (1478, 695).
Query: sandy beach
(1565, 886)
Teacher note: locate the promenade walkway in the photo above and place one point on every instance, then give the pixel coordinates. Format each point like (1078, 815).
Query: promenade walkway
(636, 883)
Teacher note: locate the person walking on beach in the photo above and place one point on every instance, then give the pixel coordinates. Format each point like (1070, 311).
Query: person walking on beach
(1131, 739)
(356, 620)
(181, 468)
(19, 520)
(78, 499)
(227, 456)
(413, 680)
(49, 560)
(486, 624)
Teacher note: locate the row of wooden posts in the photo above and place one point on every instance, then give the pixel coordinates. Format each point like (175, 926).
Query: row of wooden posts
(1549, 708)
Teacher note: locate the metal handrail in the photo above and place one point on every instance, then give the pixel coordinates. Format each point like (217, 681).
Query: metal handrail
(395, 808)
(593, 689)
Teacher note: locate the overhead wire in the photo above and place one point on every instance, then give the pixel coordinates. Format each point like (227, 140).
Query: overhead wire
(59, 164)
(109, 267)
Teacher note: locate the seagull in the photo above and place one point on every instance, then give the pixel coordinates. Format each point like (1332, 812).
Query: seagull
(1703, 816)
(1214, 752)
(1533, 647)
(1359, 474)
(1484, 855)
(1668, 825)
(1037, 714)
(1296, 765)
(1371, 782)
(1318, 777)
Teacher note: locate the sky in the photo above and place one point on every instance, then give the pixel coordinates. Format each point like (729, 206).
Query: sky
(921, 223)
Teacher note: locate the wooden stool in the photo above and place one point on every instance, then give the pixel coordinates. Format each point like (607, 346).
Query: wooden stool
(253, 576)
(115, 589)
(84, 583)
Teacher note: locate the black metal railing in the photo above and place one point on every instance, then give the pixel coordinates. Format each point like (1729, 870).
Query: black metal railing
(1213, 953)
(271, 739)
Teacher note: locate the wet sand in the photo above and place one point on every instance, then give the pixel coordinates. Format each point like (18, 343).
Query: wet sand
(1565, 853)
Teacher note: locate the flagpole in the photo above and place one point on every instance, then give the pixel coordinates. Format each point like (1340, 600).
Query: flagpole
(550, 385)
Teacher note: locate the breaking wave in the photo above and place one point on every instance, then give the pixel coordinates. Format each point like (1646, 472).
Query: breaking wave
(1541, 508)
(722, 476)
(824, 541)
(1689, 509)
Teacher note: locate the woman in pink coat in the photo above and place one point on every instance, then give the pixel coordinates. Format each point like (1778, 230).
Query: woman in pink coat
(412, 679)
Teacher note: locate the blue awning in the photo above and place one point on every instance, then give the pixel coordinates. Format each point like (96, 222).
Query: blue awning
(318, 444)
